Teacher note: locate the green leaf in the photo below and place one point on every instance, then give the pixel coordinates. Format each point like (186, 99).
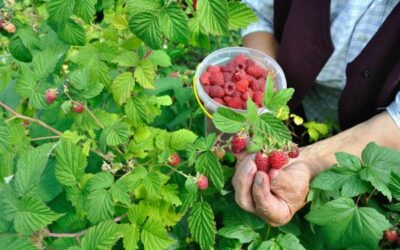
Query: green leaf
(131, 236)
(274, 127)
(60, 10)
(208, 165)
(251, 114)
(48, 187)
(240, 15)
(144, 74)
(213, 16)
(3, 136)
(161, 58)
(136, 6)
(44, 62)
(122, 87)
(85, 9)
(174, 23)
(278, 99)
(102, 237)
(101, 180)
(289, 241)
(13, 242)
(146, 26)
(30, 168)
(71, 163)
(19, 51)
(100, 206)
(244, 234)
(394, 185)
(154, 235)
(72, 33)
(345, 225)
(202, 225)
(120, 22)
(170, 194)
(127, 59)
(180, 139)
(32, 215)
(228, 121)
(116, 134)
(152, 183)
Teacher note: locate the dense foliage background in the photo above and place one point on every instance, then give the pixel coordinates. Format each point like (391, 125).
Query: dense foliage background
(100, 179)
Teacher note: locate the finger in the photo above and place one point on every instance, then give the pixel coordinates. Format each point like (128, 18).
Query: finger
(240, 156)
(242, 183)
(271, 208)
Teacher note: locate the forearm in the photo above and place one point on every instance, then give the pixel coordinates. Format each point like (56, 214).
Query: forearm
(380, 129)
(262, 41)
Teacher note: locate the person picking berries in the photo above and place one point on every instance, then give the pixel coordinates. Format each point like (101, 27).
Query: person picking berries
(332, 55)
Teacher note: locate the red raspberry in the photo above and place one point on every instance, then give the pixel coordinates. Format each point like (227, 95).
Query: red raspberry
(213, 69)
(205, 78)
(238, 143)
(240, 58)
(217, 78)
(227, 76)
(250, 62)
(247, 95)
(391, 235)
(295, 151)
(239, 76)
(277, 159)
(258, 98)
(174, 159)
(236, 102)
(207, 89)
(255, 71)
(219, 100)
(242, 85)
(230, 67)
(227, 98)
(229, 88)
(216, 91)
(202, 182)
(51, 95)
(237, 94)
(262, 162)
(78, 107)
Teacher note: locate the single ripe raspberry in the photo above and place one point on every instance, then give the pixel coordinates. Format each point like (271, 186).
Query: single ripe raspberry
(255, 71)
(51, 95)
(10, 28)
(217, 91)
(239, 143)
(219, 100)
(202, 182)
(235, 102)
(240, 59)
(227, 98)
(250, 62)
(230, 67)
(391, 235)
(213, 69)
(258, 98)
(229, 88)
(277, 159)
(206, 89)
(294, 152)
(227, 76)
(174, 159)
(262, 162)
(247, 95)
(217, 78)
(218, 152)
(78, 107)
(239, 76)
(242, 85)
(205, 78)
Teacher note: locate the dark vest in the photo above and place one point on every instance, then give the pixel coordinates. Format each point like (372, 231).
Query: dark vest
(302, 28)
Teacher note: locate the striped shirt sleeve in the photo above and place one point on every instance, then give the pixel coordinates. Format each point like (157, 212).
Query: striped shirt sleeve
(264, 10)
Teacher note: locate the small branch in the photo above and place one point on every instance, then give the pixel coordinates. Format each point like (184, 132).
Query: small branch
(370, 195)
(46, 138)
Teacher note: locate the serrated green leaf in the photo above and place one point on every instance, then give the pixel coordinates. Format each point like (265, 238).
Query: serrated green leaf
(122, 87)
(289, 241)
(136, 6)
(154, 236)
(394, 185)
(228, 121)
(146, 26)
(180, 139)
(251, 114)
(344, 224)
(72, 33)
(190, 185)
(213, 16)
(44, 62)
(274, 127)
(102, 237)
(19, 51)
(244, 234)
(137, 213)
(278, 99)
(100, 206)
(7, 164)
(48, 187)
(27, 87)
(131, 236)
(116, 134)
(3, 136)
(72, 136)
(208, 165)
(85, 9)
(71, 163)
(127, 59)
(202, 225)
(60, 10)
(120, 22)
(101, 180)
(119, 193)
(152, 183)
(32, 214)
(240, 15)
(161, 58)
(13, 242)
(169, 194)
(144, 74)
(174, 23)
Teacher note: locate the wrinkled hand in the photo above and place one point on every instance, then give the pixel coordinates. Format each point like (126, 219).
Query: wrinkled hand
(275, 196)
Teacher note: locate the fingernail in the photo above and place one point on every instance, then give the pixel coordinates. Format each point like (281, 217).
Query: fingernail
(259, 179)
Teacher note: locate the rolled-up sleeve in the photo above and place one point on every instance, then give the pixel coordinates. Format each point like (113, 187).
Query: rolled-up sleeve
(394, 110)
(264, 10)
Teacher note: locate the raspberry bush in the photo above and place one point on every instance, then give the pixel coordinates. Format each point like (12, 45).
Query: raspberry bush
(102, 144)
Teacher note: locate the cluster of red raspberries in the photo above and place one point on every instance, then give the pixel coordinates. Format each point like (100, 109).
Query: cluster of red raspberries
(232, 84)
(275, 158)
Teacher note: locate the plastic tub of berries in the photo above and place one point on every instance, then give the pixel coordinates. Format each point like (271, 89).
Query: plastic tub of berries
(229, 76)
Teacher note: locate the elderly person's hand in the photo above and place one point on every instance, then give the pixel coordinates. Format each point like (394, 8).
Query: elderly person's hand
(275, 196)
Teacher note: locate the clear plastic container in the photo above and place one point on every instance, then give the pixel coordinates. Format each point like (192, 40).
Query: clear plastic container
(225, 55)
